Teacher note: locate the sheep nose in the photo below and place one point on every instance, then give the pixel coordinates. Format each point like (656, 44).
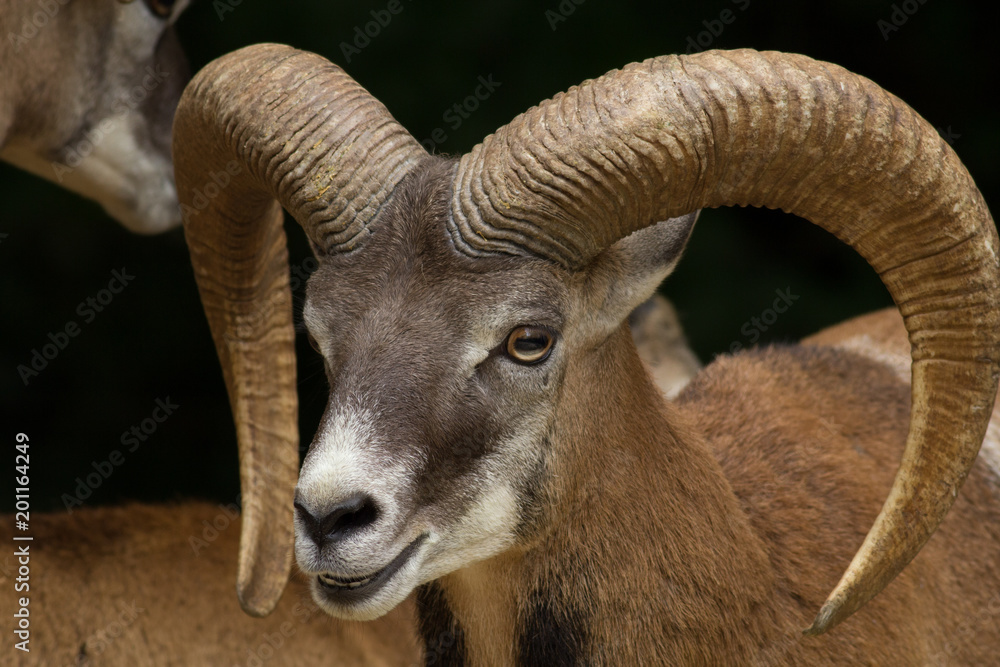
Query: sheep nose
(348, 517)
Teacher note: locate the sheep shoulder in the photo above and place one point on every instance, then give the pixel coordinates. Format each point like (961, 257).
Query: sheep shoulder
(811, 462)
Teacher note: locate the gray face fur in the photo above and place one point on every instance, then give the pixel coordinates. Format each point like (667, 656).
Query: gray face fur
(429, 417)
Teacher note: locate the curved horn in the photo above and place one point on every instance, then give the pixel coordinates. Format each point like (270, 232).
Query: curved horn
(261, 126)
(670, 135)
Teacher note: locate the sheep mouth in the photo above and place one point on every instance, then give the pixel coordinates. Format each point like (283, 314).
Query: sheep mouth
(352, 589)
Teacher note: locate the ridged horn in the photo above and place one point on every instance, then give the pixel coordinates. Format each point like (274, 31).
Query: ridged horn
(263, 126)
(667, 136)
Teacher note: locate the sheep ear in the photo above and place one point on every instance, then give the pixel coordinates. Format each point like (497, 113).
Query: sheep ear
(629, 271)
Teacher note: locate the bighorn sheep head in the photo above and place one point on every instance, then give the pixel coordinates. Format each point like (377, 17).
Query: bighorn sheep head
(458, 303)
(87, 101)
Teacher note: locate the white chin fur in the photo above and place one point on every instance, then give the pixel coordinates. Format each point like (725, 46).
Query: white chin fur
(486, 530)
(347, 459)
(134, 186)
(380, 603)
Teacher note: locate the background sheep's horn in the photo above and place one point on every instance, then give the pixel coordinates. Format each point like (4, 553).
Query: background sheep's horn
(258, 127)
(670, 135)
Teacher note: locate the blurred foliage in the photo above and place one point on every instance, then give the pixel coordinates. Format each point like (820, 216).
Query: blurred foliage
(152, 341)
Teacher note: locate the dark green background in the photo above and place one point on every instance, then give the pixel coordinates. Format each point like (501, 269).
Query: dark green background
(152, 341)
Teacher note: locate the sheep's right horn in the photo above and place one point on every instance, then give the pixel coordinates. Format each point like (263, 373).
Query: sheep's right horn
(668, 136)
(265, 125)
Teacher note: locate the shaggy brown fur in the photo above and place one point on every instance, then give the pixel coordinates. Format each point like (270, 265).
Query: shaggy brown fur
(716, 527)
(123, 586)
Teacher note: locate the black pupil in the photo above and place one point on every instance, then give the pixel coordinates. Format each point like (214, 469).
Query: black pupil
(531, 343)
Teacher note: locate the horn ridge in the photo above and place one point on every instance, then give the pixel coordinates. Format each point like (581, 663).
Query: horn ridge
(723, 128)
(263, 126)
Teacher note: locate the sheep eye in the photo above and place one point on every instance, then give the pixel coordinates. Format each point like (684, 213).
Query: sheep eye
(529, 345)
(313, 344)
(161, 8)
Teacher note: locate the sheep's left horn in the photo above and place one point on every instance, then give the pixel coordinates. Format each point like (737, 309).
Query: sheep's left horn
(668, 136)
(261, 126)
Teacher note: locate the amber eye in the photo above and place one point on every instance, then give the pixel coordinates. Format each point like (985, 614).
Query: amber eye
(529, 345)
(161, 8)
(313, 344)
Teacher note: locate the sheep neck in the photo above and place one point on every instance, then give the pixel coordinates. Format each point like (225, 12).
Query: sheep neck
(642, 556)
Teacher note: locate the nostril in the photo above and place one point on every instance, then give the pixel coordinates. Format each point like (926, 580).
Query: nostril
(349, 516)
(304, 514)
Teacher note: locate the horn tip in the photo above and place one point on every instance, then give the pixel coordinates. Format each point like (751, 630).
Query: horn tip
(259, 601)
(825, 620)
(846, 599)
(261, 575)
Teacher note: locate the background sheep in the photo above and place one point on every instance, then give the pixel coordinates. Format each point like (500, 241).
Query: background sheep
(151, 585)
(662, 345)
(87, 99)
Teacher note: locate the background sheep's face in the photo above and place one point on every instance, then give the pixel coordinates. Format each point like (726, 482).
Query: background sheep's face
(434, 432)
(98, 104)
